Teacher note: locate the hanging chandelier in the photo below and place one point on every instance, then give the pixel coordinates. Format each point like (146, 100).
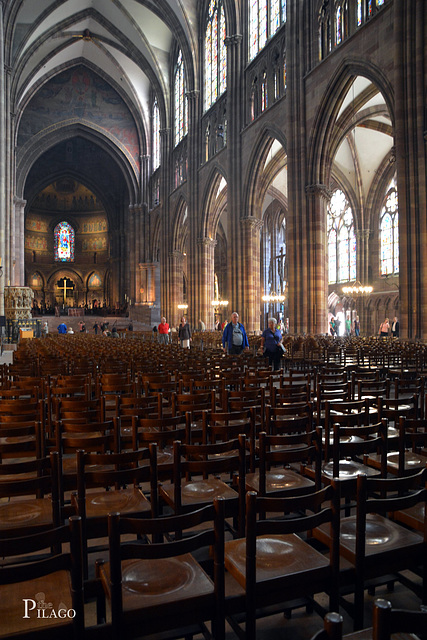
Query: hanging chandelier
(357, 289)
(219, 303)
(274, 297)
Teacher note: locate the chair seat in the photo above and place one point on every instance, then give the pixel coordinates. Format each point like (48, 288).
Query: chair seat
(276, 556)
(382, 535)
(69, 465)
(132, 500)
(279, 480)
(413, 461)
(348, 469)
(25, 513)
(149, 585)
(47, 589)
(196, 491)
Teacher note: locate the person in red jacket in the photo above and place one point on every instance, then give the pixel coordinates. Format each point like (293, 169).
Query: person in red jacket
(163, 330)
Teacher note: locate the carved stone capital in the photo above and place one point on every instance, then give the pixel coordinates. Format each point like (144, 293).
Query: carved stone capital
(232, 41)
(362, 234)
(252, 222)
(177, 255)
(207, 242)
(320, 190)
(164, 132)
(193, 95)
(19, 202)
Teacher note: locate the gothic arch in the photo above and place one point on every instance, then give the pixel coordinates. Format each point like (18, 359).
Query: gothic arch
(180, 226)
(47, 139)
(320, 160)
(211, 210)
(253, 198)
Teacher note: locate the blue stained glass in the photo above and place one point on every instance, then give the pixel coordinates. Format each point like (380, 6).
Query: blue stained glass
(63, 242)
(215, 69)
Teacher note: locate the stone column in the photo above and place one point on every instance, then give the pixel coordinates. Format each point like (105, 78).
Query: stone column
(2, 161)
(250, 277)
(235, 106)
(206, 276)
(409, 21)
(17, 267)
(176, 259)
(195, 267)
(313, 284)
(165, 235)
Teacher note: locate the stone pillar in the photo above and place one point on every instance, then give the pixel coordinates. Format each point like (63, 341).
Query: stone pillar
(176, 260)
(3, 148)
(313, 282)
(235, 108)
(17, 267)
(195, 267)
(250, 277)
(165, 236)
(409, 21)
(206, 288)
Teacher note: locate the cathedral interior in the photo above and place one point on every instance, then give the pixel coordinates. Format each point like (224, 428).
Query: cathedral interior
(205, 157)
(264, 154)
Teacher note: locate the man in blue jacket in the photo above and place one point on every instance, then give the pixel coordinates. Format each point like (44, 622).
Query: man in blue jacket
(234, 338)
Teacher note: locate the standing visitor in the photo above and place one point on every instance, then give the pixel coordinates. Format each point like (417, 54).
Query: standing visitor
(348, 326)
(271, 340)
(62, 328)
(357, 326)
(332, 326)
(234, 338)
(184, 333)
(163, 330)
(202, 326)
(96, 328)
(384, 328)
(395, 328)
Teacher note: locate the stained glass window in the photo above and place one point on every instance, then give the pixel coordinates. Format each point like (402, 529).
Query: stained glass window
(359, 13)
(264, 92)
(338, 26)
(389, 232)
(215, 53)
(265, 18)
(156, 136)
(63, 242)
(341, 240)
(181, 114)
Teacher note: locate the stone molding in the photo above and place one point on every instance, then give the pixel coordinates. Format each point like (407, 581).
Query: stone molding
(252, 222)
(319, 190)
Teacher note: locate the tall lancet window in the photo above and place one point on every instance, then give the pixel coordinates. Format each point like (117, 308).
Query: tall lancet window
(389, 233)
(181, 113)
(63, 242)
(156, 136)
(341, 240)
(215, 53)
(265, 19)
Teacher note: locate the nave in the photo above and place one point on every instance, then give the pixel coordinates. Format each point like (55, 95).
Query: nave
(259, 440)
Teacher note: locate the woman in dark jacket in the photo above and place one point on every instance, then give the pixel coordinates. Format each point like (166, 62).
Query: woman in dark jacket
(184, 333)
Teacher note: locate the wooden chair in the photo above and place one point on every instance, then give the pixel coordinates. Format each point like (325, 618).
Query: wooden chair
(161, 587)
(112, 483)
(32, 493)
(273, 564)
(400, 548)
(350, 450)
(42, 597)
(24, 440)
(388, 620)
(279, 459)
(223, 426)
(295, 392)
(196, 481)
(164, 432)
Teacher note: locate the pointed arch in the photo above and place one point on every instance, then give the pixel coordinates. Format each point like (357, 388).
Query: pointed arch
(211, 211)
(255, 193)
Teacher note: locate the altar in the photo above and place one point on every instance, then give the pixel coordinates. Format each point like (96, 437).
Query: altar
(76, 311)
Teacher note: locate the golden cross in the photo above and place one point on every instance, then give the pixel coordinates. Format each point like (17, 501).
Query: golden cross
(65, 288)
